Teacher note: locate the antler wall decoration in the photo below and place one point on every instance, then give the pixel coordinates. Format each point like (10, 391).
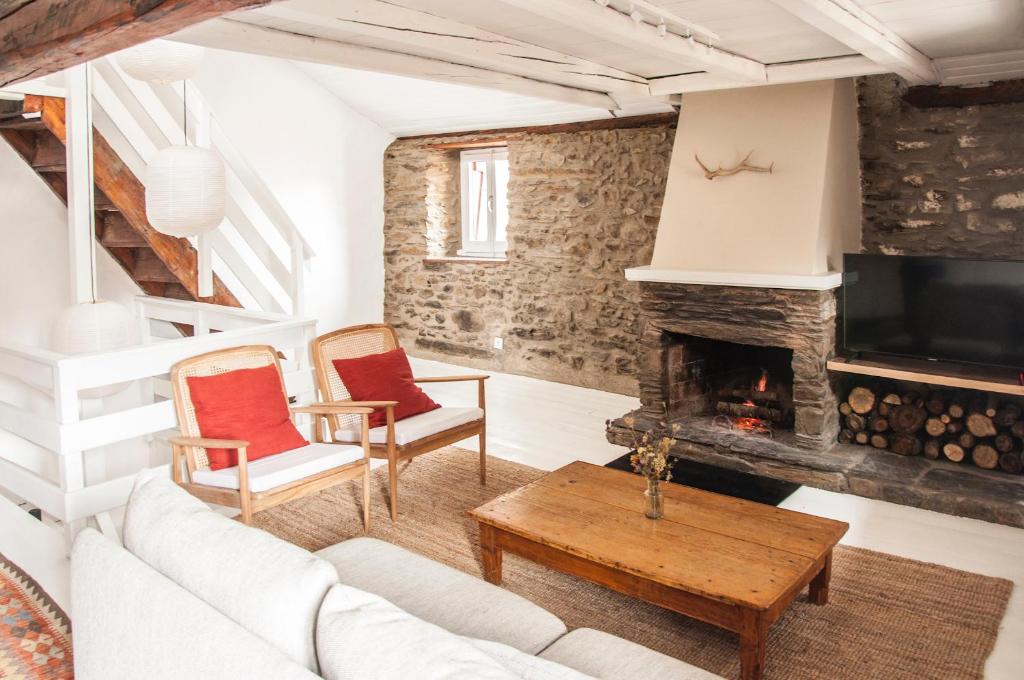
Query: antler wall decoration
(742, 166)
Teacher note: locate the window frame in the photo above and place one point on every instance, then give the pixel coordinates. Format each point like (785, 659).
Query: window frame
(491, 247)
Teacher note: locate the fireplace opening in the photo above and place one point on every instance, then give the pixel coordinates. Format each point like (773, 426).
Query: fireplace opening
(742, 387)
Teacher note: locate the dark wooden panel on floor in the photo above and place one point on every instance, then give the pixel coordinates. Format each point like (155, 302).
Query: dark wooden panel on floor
(721, 480)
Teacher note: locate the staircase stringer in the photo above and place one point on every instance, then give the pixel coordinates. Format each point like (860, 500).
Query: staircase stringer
(127, 194)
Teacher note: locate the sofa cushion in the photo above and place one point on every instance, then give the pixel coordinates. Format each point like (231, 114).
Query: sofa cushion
(417, 427)
(607, 657)
(362, 636)
(248, 404)
(283, 468)
(449, 598)
(384, 377)
(268, 586)
(524, 665)
(132, 622)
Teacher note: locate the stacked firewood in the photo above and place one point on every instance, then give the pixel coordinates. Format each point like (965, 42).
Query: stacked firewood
(958, 427)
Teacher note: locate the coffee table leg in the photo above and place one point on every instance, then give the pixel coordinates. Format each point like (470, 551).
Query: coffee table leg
(491, 553)
(819, 585)
(753, 642)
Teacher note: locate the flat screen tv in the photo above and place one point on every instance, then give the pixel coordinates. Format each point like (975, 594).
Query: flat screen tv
(969, 311)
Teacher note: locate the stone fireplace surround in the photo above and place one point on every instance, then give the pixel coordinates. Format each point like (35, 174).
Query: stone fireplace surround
(803, 321)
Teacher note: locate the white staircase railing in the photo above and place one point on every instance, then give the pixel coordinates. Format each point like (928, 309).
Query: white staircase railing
(55, 448)
(258, 251)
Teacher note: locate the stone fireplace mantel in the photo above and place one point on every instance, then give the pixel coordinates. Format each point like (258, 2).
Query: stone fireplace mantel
(650, 274)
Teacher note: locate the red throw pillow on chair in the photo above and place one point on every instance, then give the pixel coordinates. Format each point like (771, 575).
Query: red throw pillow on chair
(246, 404)
(384, 377)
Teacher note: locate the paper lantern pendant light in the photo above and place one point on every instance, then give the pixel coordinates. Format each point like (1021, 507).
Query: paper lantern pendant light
(161, 61)
(185, 191)
(93, 327)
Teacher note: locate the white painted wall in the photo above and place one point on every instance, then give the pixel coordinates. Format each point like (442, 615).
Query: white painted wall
(324, 163)
(34, 283)
(796, 220)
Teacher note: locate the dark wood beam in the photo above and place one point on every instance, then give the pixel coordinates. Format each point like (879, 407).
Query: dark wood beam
(39, 37)
(956, 96)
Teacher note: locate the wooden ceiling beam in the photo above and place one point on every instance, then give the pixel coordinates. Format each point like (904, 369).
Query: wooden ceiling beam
(609, 24)
(39, 37)
(230, 34)
(386, 25)
(851, 25)
(792, 72)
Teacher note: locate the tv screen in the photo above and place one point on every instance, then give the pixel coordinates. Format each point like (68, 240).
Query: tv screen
(969, 311)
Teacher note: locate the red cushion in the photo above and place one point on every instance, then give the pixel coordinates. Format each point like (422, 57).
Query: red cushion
(246, 404)
(384, 377)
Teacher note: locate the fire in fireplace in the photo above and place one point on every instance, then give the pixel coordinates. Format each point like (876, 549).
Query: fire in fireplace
(744, 387)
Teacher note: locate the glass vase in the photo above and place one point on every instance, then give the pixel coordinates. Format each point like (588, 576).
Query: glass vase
(654, 506)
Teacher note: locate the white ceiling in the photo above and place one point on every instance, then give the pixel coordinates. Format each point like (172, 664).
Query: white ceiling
(411, 106)
(418, 66)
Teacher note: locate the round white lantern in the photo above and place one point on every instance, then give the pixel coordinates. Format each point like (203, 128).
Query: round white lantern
(161, 61)
(94, 327)
(185, 191)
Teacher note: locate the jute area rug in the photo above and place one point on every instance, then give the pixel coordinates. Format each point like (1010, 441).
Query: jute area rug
(888, 617)
(35, 635)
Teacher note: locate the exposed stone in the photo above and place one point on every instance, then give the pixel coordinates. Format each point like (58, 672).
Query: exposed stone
(800, 320)
(583, 207)
(1010, 201)
(943, 487)
(940, 181)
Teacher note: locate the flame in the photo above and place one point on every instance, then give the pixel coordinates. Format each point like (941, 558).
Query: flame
(752, 425)
(762, 383)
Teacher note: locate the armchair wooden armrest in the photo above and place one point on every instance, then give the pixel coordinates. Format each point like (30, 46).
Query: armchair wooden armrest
(205, 443)
(450, 378)
(178, 444)
(368, 404)
(331, 409)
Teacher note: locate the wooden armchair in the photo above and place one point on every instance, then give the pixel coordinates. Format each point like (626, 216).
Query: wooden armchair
(256, 485)
(404, 439)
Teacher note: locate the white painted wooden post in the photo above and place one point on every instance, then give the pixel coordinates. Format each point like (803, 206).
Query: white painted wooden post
(71, 469)
(81, 200)
(203, 132)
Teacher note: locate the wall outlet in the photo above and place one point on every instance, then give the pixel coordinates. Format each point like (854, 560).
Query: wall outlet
(499, 343)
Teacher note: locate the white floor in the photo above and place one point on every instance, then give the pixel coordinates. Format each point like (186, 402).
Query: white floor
(546, 425)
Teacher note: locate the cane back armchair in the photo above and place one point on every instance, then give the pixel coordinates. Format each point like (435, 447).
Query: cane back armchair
(397, 440)
(252, 486)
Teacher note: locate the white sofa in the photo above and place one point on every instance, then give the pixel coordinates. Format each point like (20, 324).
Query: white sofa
(193, 594)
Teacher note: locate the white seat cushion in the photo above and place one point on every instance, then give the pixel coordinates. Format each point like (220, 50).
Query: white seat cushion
(452, 599)
(417, 427)
(283, 468)
(361, 636)
(607, 657)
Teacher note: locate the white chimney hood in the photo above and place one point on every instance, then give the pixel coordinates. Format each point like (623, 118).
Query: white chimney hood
(785, 229)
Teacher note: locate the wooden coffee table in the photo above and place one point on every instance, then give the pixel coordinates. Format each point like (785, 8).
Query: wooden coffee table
(732, 563)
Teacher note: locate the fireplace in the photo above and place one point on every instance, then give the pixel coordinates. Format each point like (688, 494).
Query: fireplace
(737, 376)
(705, 350)
(741, 387)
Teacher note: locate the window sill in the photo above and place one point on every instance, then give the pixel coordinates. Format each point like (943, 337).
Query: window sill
(465, 259)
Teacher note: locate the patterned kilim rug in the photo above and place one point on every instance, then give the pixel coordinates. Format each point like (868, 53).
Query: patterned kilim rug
(35, 635)
(887, 617)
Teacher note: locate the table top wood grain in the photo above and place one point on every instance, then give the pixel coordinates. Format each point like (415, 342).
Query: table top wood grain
(728, 549)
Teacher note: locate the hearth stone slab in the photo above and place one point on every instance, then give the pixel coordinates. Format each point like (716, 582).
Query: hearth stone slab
(961, 490)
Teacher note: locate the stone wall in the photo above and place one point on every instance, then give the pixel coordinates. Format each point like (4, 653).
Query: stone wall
(583, 206)
(943, 181)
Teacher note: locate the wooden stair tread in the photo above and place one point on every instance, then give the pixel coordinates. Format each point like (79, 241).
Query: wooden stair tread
(161, 265)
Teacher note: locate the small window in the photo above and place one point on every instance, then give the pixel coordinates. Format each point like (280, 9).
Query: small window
(484, 202)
